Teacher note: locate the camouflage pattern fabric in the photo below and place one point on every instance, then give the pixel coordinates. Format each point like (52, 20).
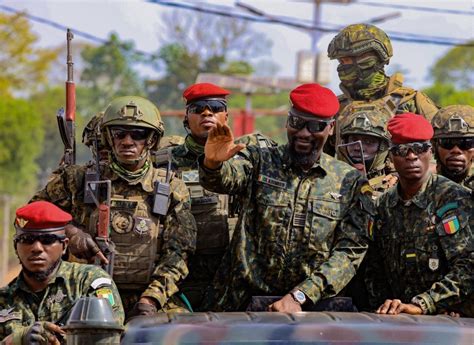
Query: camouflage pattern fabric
(20, 307)
(297, 230)
(170, 141)
(158, 273)
(423, 247)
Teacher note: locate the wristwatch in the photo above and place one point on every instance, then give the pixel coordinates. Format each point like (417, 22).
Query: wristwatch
(298, 296)
(420, 302)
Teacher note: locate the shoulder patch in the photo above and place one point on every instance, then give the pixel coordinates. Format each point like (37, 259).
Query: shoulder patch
(446, 208)
(101, 282)
(9, 314)
(107, 294)
(451, 225)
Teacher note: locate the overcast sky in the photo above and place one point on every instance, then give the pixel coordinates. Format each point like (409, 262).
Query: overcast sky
(140, 21)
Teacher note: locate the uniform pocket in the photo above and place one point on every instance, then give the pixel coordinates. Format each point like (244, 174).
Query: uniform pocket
(324, 216)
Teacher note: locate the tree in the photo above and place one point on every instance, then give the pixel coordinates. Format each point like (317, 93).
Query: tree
(108, 73)
(453, 76)
(455, 68)
(21, 140)
(23, 67)
(201, 43)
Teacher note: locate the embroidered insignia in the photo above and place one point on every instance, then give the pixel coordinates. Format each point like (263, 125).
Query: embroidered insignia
(122, 222)
(190, 176)
(410, 256)
(446, 208)
(271, 181)
(21, 222)
(142, 226)
(8, 314)
(336, 196)
(57, 298)
(101, 282)
(107, 294)
(433, 264)
(451, 225)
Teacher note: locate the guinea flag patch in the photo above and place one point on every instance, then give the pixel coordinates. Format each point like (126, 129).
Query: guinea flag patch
(451, 225)
(107, 294)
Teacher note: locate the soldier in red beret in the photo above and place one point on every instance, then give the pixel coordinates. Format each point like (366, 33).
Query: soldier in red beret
(35, 305)
(300, 233)
(421, 259)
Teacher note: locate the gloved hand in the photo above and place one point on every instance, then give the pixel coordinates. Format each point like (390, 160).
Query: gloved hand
(142, 309)
(220, 146)
(82, 246)
(40, 333)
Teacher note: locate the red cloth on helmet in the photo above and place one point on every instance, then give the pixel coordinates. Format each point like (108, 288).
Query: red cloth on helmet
(204, 90)
(41, 215)
(408, 127)
(315, 100)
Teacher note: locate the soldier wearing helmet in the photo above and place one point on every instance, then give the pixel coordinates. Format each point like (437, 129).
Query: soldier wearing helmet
(453, 143)
(365, 142)
(150, 222)
(363, 50)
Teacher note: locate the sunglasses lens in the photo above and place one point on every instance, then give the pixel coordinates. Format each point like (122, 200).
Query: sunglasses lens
(462, 143)
(313, 126)
(403, 149)
(214, 106)
(43, 239)
(135, 134)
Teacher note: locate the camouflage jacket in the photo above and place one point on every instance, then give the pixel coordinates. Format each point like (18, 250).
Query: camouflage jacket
(167, 265)
(423, 247)
(21, 307)
(297, 230)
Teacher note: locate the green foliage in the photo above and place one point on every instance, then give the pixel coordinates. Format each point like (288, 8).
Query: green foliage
(21, 140)
(23, 67)
(455, 68)
(108, 73)
(445, 94)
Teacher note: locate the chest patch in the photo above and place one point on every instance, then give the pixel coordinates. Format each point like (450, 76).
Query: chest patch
(271, 181)
(190, 176)
(451, 225)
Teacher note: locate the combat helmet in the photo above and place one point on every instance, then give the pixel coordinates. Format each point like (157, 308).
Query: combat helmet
(133, 111)
(454, 121)
(357, 39)
(365, 118)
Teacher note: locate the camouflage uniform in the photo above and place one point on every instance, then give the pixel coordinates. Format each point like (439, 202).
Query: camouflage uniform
(21, 307)
(215, 222)
(295, 230)
(151, 224)
(454, 121)
(423, 247)
(371, 81)
(161, 252)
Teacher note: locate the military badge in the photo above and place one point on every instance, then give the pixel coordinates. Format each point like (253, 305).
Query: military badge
(8, 314)
(271, 181)
(57, 298)
(21, 222)
(336, 196)
(142, 226)
(433, 264)
(190, 176)
(122, 222)
(451, 225)
(107, 294)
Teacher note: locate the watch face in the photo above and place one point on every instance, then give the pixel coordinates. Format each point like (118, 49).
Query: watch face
(300, 296)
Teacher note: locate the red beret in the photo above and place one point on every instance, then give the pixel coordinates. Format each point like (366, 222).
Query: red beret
(204, 90)
(408, 127)
(41, 216)
(315, 99)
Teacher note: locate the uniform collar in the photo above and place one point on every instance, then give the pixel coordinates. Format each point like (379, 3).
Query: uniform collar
(419, 199)
(20, 283)
(321, 165)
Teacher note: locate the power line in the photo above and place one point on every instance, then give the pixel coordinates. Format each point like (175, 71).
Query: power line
(63, 28)
(416, 8)
(297, 23)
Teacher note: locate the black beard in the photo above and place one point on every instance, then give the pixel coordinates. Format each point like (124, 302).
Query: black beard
(456, 176)
(43, 275)
(304, 159)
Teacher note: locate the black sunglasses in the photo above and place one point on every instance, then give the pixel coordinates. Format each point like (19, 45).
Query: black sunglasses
(462, 143)
(417, 148)
(46, 239)
(135, 133)
(215, 106)
(313, 126)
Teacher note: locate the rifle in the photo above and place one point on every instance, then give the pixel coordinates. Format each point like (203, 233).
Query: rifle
(106, 246)
(66, 120)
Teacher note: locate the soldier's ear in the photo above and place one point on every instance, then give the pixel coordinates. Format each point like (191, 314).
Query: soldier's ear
(65, 243)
